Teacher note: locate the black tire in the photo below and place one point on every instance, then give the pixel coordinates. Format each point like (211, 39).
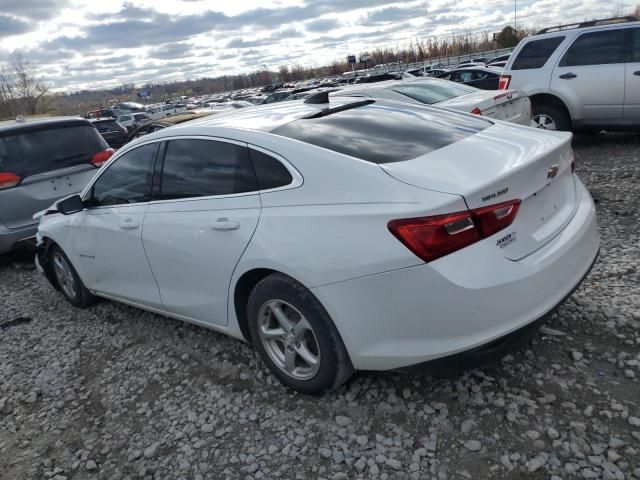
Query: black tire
(82, 297)
(559, 117)
(335, 367)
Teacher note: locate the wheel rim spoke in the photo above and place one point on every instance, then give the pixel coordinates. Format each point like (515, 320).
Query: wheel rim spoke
(280, 316)
(289, 360)
(273, 333)
(300, 328)
(309, 358)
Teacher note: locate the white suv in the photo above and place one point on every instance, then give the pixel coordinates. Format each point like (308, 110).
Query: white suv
(581, 76)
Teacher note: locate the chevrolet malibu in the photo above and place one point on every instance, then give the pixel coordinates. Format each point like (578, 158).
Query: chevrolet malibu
(335, 237)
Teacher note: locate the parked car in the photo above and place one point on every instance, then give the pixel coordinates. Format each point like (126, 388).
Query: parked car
(124, 108)
(381, 77)
(480, 77)
(508, 105)
(165, 110)
(112, 131)
(155, 125)
(277, 96)
(42, 160)
(580, 76)
(335, 236)
(497, 64)
(498, 59)
(133, 120)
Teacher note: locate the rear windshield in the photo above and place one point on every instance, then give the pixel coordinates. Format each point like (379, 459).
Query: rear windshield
(383, 132)
(432, 92)
(106, 125)
(27, 152)
(536, 53)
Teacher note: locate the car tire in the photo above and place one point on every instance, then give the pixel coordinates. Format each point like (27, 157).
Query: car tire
(68, 281)
(307, 333)
(548, 117)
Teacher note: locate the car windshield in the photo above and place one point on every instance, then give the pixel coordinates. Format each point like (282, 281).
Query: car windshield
(432, 92)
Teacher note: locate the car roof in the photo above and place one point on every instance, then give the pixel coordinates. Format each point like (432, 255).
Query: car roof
(7, 125)
(101, 119)
(578, 28)
(265, 118)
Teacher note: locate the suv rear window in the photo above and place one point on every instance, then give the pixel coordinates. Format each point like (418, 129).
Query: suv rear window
(104, 126)
(381, 132)
(45, 148)
(535, 54)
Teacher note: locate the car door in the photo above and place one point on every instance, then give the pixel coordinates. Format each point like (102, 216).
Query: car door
(632, 78)
(591, 76)
(201, 220)
(106, 238)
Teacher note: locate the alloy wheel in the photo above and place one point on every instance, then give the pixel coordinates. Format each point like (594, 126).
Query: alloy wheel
(545, 122)
(289, 339)
(64, 275)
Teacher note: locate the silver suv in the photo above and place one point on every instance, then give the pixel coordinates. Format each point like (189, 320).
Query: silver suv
(42, 161)
(580, 76)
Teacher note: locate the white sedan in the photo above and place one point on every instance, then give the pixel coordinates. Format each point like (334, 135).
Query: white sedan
(341, 236)
(507, 105)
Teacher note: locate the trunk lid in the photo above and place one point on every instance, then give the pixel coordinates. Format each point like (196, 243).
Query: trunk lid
(504, 163)
(507, 105)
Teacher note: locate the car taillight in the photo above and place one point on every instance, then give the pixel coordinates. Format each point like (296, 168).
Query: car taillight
(504, 82)
(434, 237)
(101, 157)
(9, 179)
(476, 111)
(573, 165)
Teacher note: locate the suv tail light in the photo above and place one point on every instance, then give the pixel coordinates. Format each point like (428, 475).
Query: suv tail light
(476, 111)
(505, 80)
(433, 237)
(9, 179)
(101, 157)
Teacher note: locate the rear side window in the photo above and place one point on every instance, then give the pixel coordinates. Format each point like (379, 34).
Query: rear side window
(202, 168)
(535, 54)
(432, 92)
(381, 132)
(42, 149)
(596, 48)
(635, 45)
(269, 171)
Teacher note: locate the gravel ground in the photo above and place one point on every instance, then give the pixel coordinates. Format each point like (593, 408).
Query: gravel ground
(113, 392)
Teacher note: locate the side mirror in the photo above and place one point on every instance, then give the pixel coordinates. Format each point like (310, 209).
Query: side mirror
(70, 205)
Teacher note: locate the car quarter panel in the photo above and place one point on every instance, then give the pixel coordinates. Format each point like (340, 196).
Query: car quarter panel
(459, 302)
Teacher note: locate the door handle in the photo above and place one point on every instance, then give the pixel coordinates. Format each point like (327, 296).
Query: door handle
(637, 73)
(568, 76)
(224, 223)
(128, 224)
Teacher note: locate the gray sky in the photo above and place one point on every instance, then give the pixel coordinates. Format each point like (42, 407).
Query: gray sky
(92, 44)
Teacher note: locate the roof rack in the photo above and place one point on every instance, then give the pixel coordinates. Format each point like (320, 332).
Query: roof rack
(590, 23)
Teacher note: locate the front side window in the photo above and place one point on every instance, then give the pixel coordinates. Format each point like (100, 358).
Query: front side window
(127, 180)
(202, 168)
(596, 48)
(536, 53)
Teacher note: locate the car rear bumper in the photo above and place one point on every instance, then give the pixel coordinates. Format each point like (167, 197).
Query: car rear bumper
(11, 237)
(459, 302)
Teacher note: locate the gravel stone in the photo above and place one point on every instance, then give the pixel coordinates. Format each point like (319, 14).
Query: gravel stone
(473, 445)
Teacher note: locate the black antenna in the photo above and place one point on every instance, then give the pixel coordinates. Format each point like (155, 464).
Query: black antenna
(320, 97)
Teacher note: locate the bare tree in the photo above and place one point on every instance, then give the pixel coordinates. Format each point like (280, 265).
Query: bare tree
(20, 90)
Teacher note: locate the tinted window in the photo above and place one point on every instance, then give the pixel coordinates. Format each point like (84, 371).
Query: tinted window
(30, 151)
(381, 133)
(127, 180)
(432, 92)
(200, 168)
(107, 126)
(535, 54)
(635, 45)
(597, 48)
(269, 171)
